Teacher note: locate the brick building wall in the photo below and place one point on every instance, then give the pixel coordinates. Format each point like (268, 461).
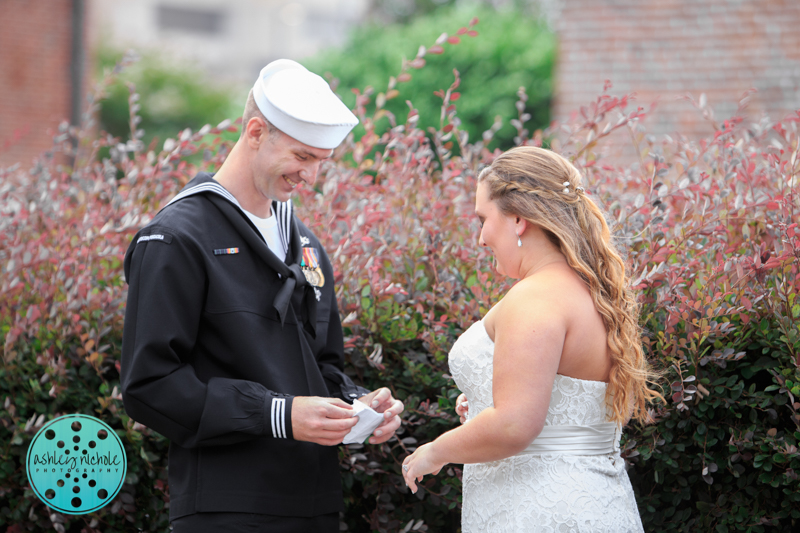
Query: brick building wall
(35, 76)
(665, 49)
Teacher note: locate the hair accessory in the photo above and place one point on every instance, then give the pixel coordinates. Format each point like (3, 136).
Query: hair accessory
(567, 185)
(519, 241)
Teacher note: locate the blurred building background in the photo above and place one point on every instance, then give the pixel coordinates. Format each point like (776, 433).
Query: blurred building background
(48, 49)
(230, 39)
(660, 49)
(44, 53)
(666, 49)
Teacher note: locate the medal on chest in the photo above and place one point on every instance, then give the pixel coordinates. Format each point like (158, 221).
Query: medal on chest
(310, 266)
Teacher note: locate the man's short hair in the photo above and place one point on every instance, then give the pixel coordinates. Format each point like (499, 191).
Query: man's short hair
(251, 110)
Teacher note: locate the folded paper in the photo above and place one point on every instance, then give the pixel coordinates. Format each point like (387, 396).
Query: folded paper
(368, 420)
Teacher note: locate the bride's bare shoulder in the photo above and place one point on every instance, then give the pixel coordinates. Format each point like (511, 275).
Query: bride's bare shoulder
(556, 286)
(550, 296)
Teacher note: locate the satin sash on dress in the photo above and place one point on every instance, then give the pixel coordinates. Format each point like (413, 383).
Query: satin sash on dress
(597, 439)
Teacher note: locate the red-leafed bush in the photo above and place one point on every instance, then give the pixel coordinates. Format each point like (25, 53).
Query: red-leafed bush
(710, 229)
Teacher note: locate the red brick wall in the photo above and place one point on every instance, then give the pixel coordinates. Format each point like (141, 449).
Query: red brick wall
(664, 49)
(35, 86)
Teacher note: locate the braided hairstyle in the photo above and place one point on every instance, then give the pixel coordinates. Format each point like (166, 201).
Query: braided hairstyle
(531, 183)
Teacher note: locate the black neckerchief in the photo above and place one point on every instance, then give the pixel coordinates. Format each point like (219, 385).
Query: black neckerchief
(294, 281)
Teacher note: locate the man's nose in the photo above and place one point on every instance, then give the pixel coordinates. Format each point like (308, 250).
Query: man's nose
(309, 173)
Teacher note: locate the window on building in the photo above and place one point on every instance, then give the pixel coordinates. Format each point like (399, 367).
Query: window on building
(188, 19)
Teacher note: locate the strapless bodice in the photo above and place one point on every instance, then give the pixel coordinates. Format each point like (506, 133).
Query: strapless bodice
(573, 402)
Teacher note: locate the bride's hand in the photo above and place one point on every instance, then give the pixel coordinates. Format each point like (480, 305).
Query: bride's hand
(462, 407)
(422, 461)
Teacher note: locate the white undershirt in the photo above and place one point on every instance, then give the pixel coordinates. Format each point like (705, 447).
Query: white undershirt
(269, 230)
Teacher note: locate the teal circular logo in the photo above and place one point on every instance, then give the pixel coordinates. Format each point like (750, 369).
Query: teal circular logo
(76, 464)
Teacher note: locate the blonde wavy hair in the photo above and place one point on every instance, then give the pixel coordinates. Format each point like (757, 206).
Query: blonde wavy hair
(529, 182)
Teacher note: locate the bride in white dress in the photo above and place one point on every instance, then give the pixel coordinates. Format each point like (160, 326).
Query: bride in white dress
(553, 371)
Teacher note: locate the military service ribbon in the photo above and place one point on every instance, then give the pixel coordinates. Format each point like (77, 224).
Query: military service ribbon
(226, 251)
(311, 269)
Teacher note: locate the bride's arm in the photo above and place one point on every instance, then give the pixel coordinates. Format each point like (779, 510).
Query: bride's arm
(529, 337)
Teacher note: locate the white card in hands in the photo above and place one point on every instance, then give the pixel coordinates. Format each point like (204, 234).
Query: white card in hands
(368, 420)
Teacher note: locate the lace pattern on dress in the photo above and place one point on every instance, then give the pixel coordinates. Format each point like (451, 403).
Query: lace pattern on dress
(541, 493)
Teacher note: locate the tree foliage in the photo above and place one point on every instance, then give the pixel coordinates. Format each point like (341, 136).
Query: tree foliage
(515, 50)
(172, 96)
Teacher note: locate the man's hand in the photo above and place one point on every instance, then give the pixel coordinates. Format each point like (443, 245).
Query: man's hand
(381, 401)
(324, 421)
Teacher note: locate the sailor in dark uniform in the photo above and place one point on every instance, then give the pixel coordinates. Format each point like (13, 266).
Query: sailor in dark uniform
(233, 343)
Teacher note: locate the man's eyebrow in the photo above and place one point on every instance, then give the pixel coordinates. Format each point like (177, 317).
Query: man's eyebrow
(311, 154)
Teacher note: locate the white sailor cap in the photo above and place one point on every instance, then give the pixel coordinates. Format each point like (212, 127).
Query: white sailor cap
(302, 105)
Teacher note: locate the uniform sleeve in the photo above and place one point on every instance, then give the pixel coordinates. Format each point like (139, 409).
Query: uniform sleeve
(331, 361)
(160, 389)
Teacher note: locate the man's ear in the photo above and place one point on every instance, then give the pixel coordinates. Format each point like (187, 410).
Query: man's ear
(255, 131)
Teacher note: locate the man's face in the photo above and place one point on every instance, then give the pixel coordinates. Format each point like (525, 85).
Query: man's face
(282, 163)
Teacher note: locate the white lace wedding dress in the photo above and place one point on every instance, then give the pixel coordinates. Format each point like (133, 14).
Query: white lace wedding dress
(570, 479)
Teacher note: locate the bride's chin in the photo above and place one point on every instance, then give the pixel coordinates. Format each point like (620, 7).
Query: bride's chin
(499, 268)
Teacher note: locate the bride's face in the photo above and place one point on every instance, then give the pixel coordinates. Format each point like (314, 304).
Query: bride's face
(498, 232)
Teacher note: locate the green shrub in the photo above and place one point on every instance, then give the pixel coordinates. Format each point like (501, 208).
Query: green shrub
(514, 50)
(172, 96)
(714, 247)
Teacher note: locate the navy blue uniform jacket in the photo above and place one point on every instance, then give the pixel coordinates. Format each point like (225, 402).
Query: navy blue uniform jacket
(220, 336)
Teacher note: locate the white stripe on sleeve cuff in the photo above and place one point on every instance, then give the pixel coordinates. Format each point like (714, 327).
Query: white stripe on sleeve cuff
(278, 415)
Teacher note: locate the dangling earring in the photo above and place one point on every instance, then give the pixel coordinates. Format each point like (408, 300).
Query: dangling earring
(519, 241)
